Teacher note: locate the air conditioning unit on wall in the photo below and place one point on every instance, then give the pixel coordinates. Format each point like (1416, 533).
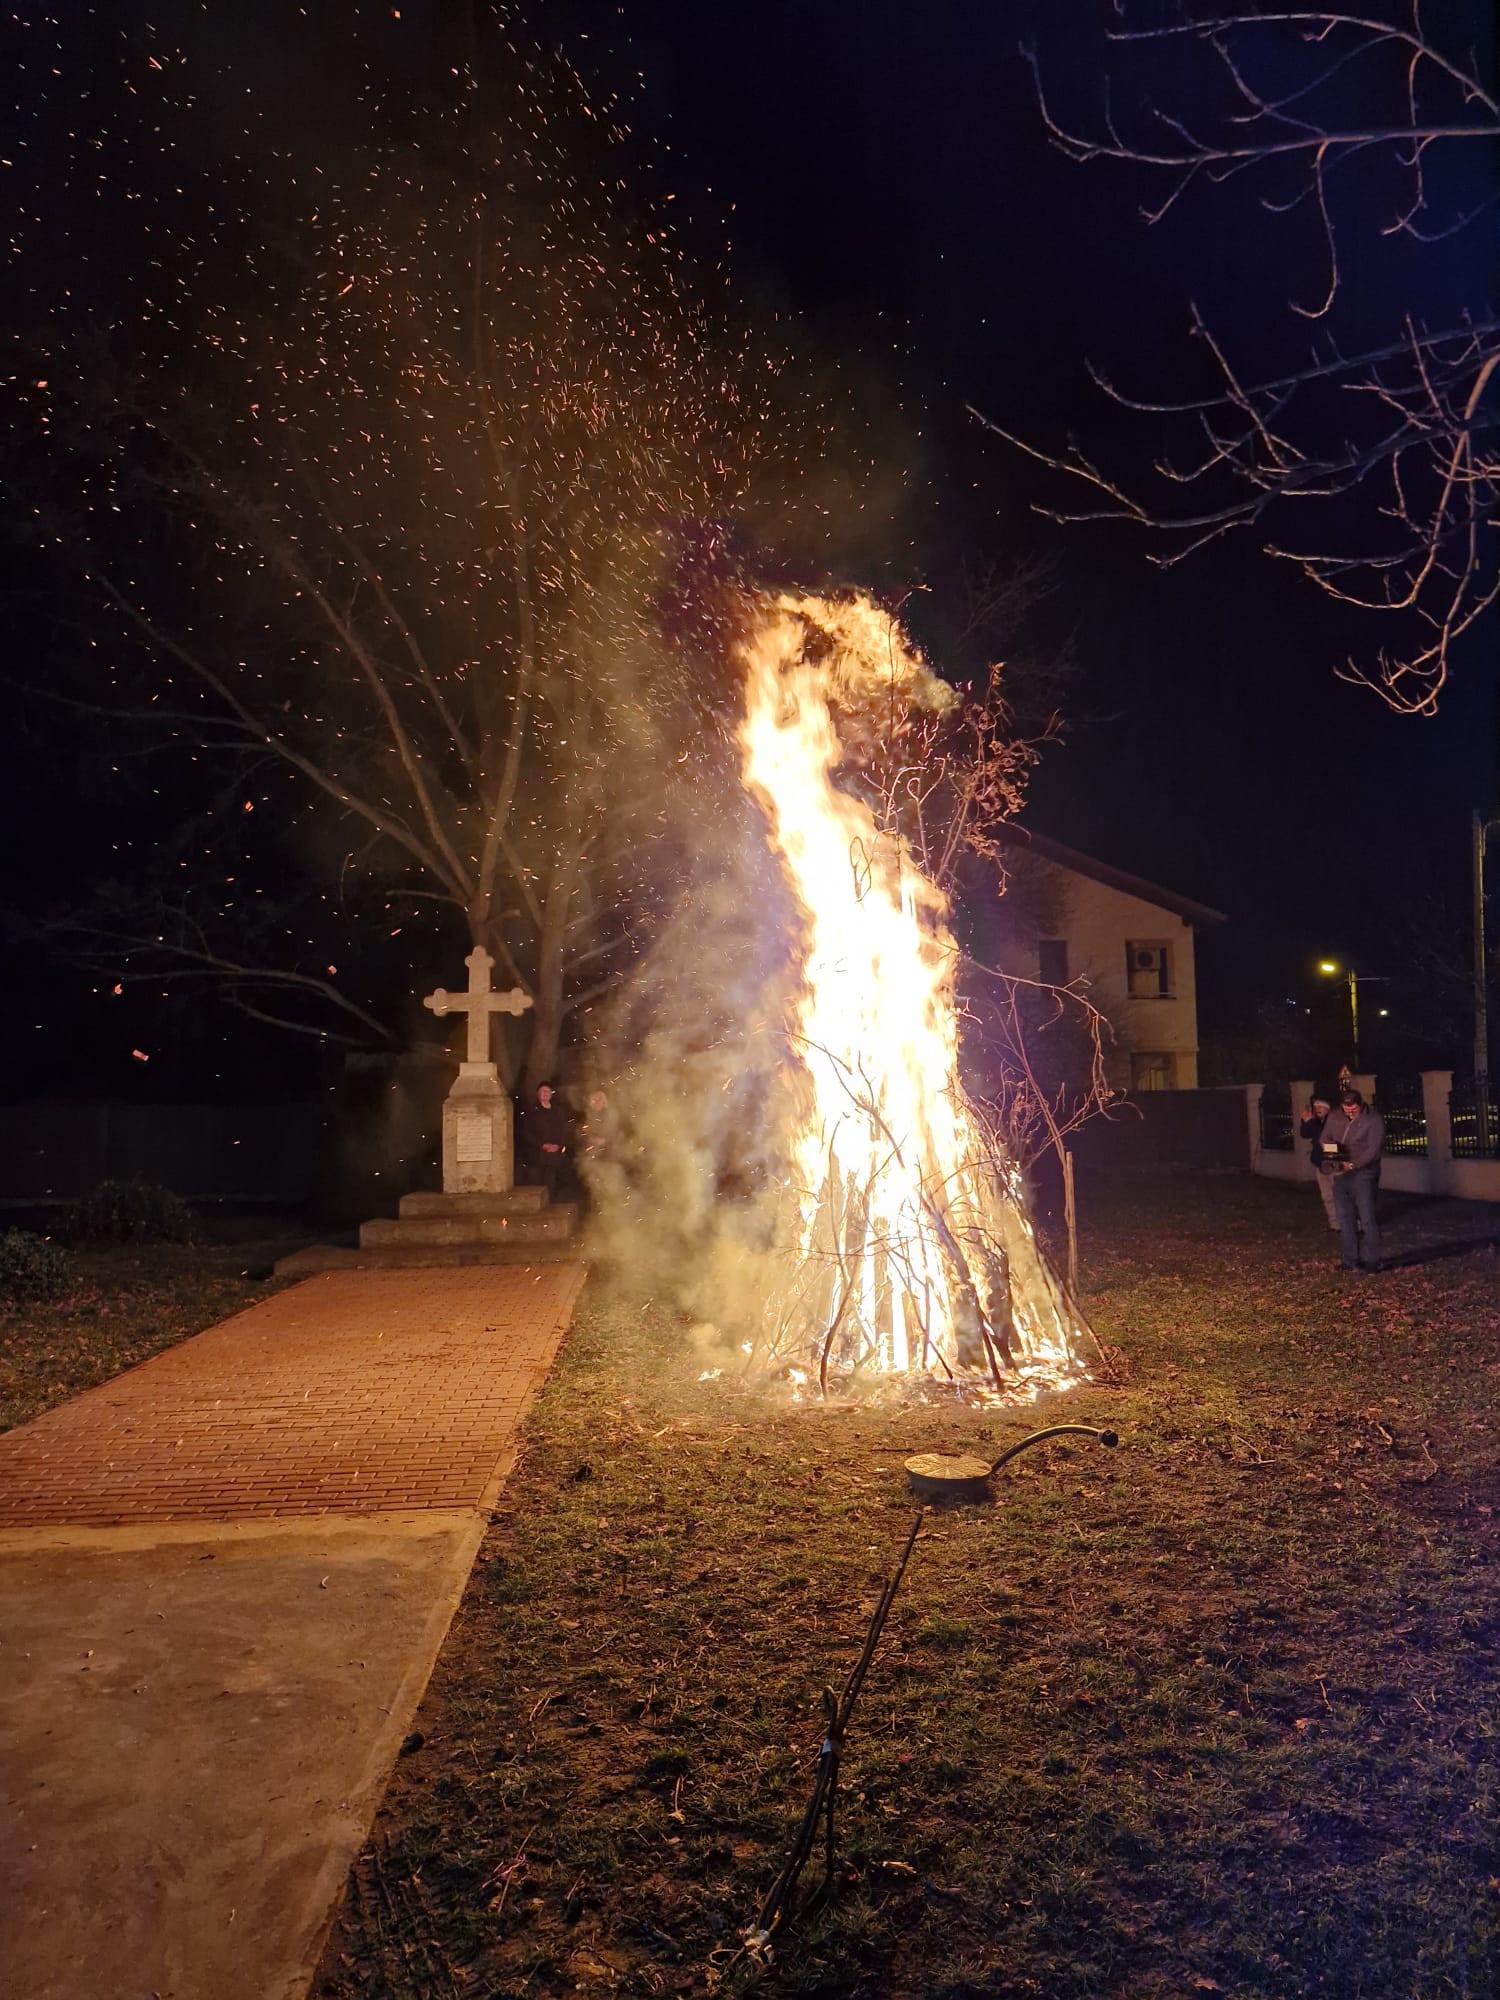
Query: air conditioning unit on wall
(1150, 968)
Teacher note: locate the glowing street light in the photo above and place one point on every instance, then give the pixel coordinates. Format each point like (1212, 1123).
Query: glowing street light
(1331, 965)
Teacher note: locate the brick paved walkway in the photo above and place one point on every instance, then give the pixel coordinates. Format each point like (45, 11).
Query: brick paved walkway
(356, 1392)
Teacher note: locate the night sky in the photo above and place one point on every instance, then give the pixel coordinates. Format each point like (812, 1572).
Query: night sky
(889, 169)
(881, 173)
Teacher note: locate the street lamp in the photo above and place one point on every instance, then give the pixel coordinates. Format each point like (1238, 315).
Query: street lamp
(1331, 965)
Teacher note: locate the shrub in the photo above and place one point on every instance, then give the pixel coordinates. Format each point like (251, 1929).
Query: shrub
(133, 1212)
(33, 1267)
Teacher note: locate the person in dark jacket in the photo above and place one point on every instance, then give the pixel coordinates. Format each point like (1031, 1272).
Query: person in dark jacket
(547, 1138)
(1311, 1124)
(1352, 1141)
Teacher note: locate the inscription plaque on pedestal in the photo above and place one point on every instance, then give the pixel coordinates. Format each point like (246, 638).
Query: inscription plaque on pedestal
(473, 1136)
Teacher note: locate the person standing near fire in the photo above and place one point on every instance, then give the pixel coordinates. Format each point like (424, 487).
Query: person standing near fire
(546, 1136)
(1311, 1124)
(1352, 1141)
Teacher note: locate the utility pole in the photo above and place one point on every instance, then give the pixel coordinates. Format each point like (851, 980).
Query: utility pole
(1480, 830)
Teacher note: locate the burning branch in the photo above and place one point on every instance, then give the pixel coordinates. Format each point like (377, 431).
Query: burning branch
(935, 1257)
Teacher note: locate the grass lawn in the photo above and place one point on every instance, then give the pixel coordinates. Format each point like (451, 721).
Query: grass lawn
(129, 1302)
(1213, 1713)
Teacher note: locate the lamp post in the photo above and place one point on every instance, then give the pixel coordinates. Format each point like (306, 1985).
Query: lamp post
(1331, 965)
(1352, 978)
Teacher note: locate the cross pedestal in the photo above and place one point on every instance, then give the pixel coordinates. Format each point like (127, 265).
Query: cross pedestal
(478, 1122)
(480, 1216)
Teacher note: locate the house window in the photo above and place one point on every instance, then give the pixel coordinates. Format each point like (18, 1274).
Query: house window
(1148, 964)
(1052, 961)
(1152, 1071)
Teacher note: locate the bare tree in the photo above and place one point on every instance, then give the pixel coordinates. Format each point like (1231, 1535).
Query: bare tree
(949, 783)
(958, 784)
(1381, 452)
(381, 534)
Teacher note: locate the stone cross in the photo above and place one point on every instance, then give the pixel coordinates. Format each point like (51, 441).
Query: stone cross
(478, 1003)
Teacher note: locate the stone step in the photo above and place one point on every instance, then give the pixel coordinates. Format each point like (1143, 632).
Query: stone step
(553, 1224)
(515, 1201)
(418, 1256)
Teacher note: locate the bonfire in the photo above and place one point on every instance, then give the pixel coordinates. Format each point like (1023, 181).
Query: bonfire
(910, 1250)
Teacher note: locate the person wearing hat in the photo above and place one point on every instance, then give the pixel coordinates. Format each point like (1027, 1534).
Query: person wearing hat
(1349, 1150)
(1311, 1124)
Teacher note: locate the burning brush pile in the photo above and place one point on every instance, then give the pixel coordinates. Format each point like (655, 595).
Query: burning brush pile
(890, 1238)
(909, 1248)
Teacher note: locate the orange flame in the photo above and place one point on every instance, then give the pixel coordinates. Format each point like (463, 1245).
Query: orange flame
(910, 1240)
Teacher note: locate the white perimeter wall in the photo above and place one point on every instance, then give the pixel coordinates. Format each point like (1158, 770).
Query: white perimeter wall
(1436, 1172)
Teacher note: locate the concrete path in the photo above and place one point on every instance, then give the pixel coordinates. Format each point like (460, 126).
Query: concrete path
(224, 1580)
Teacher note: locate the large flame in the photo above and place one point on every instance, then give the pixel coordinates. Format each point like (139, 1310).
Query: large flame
(912, 1249)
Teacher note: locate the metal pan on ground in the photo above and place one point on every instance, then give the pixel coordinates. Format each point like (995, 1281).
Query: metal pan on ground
(942, 1476)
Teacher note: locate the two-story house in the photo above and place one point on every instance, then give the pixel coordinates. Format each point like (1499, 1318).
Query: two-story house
(1129, 943)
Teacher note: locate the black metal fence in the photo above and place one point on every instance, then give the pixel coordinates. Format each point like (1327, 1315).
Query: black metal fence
(1475, 1117)
(1276, 1134)
(1399, 1102)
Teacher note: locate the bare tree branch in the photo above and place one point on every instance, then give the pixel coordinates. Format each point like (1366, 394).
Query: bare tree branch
(1410, 422)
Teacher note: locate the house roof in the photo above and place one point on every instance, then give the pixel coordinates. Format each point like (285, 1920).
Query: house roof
(1113, 878)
